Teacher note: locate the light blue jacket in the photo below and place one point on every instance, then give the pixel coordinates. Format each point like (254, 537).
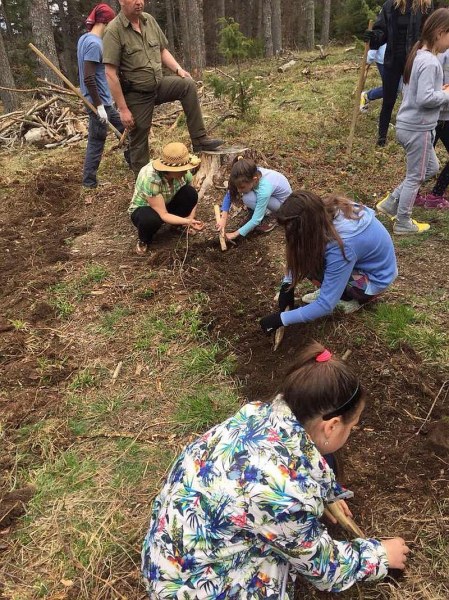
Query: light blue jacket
(368, 249)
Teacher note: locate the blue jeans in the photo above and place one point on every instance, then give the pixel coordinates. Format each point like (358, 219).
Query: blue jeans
(378, 92)
(95, 144)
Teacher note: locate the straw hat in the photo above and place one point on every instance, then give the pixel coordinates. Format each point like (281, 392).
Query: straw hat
(176, 157)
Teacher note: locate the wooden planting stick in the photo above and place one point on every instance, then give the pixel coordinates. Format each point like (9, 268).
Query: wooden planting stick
(346, 522)
(71, 86)
(361, 83)
(221, 235)
(279, 335)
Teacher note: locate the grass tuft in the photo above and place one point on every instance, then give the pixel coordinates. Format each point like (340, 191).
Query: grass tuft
(206, 406)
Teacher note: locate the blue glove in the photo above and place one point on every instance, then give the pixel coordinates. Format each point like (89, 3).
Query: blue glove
(270, 323)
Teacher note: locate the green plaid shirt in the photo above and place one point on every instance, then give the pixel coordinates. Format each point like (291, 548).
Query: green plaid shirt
(152, 183)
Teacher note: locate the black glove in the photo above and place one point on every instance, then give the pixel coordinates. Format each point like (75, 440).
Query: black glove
(368, 35)
(270, 323)
(286, 297)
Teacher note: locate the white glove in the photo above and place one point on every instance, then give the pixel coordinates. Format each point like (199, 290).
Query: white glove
(102, 114)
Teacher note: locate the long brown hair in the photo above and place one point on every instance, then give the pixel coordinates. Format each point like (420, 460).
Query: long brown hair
(242, 170)
(421, 6)
(437, 23)
(308, 223)
(313, 388)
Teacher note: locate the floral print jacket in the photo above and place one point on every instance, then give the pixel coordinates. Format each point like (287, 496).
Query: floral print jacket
(240, 512)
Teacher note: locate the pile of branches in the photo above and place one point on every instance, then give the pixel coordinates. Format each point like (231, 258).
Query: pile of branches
(58, 118)
(51, 121)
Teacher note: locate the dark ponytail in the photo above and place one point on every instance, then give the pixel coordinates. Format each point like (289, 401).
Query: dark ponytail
(326, 387)
(410, 59)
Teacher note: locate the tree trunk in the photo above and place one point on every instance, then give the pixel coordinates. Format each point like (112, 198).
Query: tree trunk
(196, 31)
(69, 43)
(267, 35)
(221, 14)
(10, 99)
(42, 31)
(310, 24)
(325, 22)
(301, 20)
(185, 34)
(6, 21)
(170, 26)
(276, 26)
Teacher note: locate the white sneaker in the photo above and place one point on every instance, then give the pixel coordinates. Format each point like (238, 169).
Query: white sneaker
(311, 296)
(348, 306)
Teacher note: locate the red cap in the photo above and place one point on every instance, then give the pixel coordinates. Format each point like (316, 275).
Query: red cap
(102, 13)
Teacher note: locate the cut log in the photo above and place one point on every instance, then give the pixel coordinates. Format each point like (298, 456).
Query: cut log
(214, 168)
(286, 66)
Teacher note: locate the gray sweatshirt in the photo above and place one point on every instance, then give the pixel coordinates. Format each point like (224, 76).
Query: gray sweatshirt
(423, 96)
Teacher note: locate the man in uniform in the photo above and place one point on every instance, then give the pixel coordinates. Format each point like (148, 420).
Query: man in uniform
(135, 49)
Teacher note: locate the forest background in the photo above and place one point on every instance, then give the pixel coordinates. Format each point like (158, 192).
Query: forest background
(192, 28)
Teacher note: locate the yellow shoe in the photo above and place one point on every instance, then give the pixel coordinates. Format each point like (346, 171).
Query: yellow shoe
(388, 206)
(410, 227)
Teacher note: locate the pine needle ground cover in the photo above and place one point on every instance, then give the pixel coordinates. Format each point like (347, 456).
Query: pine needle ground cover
(111, 363)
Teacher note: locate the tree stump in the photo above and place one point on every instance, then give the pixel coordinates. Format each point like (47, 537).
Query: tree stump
(213, 172)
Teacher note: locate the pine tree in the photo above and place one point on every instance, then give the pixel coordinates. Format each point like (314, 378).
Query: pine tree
(43, 37)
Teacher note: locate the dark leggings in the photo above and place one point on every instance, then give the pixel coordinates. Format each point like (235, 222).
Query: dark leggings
(392, 77)
(442, 133)
(147, 220)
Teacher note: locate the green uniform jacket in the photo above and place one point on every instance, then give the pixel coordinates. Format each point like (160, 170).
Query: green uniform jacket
(137, 55)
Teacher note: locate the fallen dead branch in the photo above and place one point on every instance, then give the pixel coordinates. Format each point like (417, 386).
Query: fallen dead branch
(46, 123)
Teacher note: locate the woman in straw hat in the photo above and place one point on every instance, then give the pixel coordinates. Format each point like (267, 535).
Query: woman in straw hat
(163, 194)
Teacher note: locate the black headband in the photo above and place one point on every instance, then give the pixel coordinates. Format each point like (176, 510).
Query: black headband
(346, 407)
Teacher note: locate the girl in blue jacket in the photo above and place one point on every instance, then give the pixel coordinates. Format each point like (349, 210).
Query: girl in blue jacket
(339, 245)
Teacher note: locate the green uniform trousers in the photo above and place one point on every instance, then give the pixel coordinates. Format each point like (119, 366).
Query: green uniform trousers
(141, 105)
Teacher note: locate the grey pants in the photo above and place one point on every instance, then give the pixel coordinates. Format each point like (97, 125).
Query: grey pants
(250, 200)
(422, 164)
(142, 104)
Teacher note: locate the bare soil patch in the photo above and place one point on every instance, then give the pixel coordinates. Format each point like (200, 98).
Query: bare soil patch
(47, 232)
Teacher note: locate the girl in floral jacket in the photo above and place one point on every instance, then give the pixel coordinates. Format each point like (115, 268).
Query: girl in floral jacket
(239, 514)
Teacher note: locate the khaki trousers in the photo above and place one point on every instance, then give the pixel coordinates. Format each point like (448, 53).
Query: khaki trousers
(141, 105)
